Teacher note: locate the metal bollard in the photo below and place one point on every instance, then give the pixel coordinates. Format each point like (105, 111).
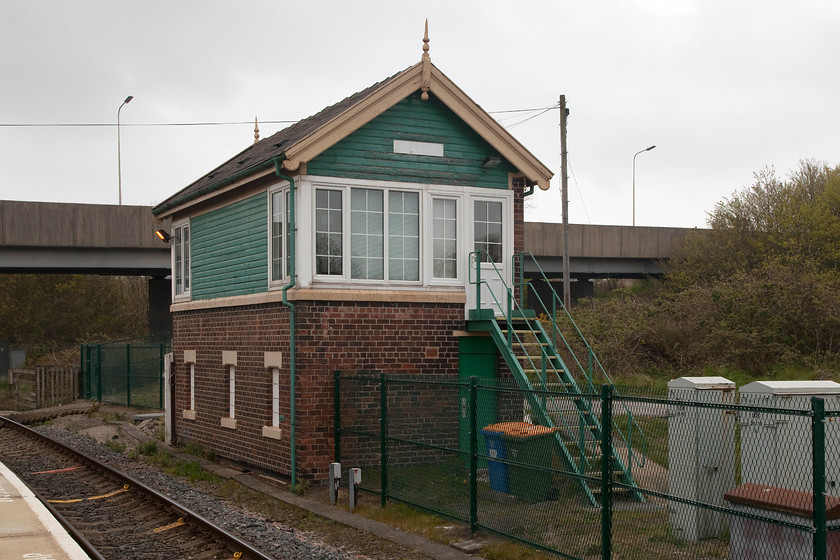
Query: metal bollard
(355, 480)
(335, 479)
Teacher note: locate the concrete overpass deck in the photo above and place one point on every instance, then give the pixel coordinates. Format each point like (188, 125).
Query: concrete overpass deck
(44, 237)
(597, 251)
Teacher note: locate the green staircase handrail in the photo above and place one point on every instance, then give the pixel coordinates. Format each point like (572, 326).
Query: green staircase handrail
(585, 414)
(556, 301)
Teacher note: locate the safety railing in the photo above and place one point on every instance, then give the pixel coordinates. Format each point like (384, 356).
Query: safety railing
(507, 306)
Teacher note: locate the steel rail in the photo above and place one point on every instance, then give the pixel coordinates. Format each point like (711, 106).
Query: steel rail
(230, 540)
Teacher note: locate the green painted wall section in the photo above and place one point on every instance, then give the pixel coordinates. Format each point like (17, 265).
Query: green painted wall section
(230, 250)
(368, 153)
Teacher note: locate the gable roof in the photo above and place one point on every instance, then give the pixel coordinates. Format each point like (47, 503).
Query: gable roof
(287, 149)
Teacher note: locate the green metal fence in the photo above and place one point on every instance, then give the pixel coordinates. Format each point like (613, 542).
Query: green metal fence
(722, 479)
(128, 373)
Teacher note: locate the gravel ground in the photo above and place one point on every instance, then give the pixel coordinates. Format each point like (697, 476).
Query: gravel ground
(277, 537)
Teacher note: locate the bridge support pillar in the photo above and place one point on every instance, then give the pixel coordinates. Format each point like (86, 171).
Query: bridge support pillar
(160, 298)
(579, 289)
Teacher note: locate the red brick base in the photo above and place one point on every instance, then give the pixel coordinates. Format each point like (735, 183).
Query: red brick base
(394, 338)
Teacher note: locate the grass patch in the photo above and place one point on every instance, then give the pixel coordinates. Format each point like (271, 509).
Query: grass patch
(115, 445)
(148, 448)
(655, 430)
(191, 470)
(503, 550)
(408, 519)
(199, 451)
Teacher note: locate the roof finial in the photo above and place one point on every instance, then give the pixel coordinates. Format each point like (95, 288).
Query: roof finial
(256, 131)
(426, 61)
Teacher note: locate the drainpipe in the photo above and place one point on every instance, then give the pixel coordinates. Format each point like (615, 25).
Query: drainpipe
(278, 170)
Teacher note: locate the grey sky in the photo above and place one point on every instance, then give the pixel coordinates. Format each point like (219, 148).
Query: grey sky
(723, 88)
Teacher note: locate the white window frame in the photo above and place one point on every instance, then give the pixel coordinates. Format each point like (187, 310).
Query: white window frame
(275, 397)
(192, 386)
(190, 358)
(346, 235)
(345, 232)
(232, 392)
(463, 195)
(284, 263)
(182, 270)
(460, 239)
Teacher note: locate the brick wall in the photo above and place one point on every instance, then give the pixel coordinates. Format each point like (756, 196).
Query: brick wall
(396, 338)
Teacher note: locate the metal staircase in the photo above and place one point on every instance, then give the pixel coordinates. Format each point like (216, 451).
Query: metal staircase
(539, 352)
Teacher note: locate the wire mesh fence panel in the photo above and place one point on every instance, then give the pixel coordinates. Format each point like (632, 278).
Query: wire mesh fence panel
(532, 484)
(359, 422)
(721, 479)
(127, 373)
(426, 465)
(113, 377)
(146, 382)
(697, 472)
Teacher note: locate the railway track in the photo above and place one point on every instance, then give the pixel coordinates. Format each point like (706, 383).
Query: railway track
(113, 516)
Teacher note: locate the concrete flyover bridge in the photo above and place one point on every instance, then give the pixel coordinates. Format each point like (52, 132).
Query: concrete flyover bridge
(51, 237)
(59, 238)
(599, 252)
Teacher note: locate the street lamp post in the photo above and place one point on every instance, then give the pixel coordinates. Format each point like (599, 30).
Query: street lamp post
(634, 180)
(119, 159)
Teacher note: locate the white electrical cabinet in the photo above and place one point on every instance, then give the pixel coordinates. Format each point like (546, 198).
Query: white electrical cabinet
(701, 454)
(776, 447)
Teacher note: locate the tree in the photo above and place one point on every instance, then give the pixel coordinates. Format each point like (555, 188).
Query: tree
(760, 287)
(791, 222)
(65, 309)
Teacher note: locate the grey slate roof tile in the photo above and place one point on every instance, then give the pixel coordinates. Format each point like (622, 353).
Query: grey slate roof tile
(257, 155)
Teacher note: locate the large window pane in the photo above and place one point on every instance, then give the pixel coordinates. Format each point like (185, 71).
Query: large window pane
(367, 234)
(444, 238)
(328, 232)
(403, 235)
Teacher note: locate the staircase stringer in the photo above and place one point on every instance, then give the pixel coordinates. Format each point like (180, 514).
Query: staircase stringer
(536, 407)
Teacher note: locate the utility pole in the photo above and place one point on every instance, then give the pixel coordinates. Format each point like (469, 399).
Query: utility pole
(564, 192)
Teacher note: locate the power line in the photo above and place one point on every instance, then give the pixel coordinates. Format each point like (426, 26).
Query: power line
(94, 125)
(229, 123)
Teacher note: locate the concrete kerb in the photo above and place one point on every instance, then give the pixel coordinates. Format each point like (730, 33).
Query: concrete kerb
(417, 543)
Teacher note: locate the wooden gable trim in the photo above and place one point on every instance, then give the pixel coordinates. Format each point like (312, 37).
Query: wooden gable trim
(394, 91)
(487, 127)
(397, 89)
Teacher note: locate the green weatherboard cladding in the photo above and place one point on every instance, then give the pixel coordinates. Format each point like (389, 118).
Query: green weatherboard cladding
(229, 250)
(368, 153)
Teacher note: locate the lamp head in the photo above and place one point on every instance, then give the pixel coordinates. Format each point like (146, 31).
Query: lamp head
(163, 235)
(128, 99)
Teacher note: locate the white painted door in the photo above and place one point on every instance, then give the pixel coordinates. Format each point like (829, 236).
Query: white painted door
(490, 241)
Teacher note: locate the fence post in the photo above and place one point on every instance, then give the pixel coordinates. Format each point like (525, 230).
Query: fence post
(337, 415)
(606, 472)
(79, 390)
(99, 372)
(88, 373)
(473, 457)
(383, 434)
(818, 450)
(128, 375)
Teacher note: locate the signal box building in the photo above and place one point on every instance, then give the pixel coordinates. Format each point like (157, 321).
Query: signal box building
(340, 243)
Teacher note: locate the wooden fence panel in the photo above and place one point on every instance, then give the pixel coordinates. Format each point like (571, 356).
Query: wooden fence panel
(43, 387)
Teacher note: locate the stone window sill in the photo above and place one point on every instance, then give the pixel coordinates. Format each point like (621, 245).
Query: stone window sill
(272, 432)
